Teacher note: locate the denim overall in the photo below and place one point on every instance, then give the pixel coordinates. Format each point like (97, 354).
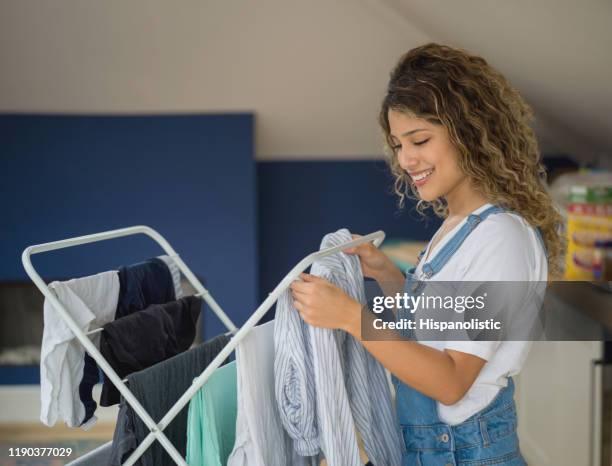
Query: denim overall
(486, 438)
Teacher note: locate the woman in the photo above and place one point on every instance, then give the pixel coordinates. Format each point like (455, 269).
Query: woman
(459, 140)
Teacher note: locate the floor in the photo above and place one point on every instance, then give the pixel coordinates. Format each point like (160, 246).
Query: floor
(19, 436)
(38, 435)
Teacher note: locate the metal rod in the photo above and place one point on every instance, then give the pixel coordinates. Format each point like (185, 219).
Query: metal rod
(81, 336)
(157, 429)
(377, 237)
(95, 353)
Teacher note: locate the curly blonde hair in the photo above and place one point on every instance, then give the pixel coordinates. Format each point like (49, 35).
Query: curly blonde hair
(487, 121)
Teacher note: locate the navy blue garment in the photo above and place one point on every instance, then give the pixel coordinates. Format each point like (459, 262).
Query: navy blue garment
(140, 285)
(143, 284)
(141, 339)
(91, 376)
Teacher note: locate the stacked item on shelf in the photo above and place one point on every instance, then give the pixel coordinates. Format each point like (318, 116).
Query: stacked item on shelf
(589, 233)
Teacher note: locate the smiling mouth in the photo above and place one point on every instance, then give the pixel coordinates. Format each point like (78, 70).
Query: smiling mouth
(422, 177)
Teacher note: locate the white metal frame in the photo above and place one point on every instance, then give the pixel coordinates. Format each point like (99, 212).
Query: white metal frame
(157, 429)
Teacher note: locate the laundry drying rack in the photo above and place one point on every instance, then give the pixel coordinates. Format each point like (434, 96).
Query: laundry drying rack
(156, 429)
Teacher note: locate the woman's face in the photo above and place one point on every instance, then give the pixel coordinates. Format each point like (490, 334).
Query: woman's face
(425, 152)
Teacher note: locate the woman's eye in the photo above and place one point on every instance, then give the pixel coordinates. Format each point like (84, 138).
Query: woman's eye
(420, 143)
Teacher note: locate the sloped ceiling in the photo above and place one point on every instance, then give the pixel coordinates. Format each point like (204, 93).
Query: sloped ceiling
(313, 72)
(558, 53)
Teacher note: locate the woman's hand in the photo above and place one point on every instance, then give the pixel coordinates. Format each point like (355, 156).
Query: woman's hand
(374, 263)
(322, 304)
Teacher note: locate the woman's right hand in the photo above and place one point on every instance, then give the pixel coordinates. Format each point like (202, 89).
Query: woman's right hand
(374, 263)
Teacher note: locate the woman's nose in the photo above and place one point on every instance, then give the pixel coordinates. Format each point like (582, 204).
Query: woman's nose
(407, 161)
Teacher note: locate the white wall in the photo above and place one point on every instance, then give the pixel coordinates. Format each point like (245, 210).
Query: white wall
(557, 52)
(313, 72)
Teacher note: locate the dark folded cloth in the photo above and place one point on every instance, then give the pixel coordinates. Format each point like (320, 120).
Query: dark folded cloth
(91, 376)
(143, 284)
(140, 285)
(158, 388)
(144, 338)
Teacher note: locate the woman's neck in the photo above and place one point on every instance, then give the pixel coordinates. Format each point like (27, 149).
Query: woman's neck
(463, 199)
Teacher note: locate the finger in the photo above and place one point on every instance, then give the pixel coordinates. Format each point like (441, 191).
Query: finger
(303, 287)
(299, 295)
(304, 315)
(311, 278)
(302, 310)
(300, 286)
(352, 249)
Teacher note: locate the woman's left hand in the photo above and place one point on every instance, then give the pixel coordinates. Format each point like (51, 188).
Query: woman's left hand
(322, 304)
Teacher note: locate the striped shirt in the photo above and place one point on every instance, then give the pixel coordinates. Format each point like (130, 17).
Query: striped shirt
(327, 384)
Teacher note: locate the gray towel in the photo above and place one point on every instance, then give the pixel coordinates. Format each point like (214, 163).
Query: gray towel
(158, 388)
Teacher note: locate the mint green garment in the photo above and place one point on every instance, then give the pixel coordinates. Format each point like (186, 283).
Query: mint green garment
(211, 422)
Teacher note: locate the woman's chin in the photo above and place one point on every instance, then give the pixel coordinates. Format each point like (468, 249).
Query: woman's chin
(428, 195)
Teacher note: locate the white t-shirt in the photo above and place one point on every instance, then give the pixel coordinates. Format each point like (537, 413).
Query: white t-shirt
(503, 247)
(92, 302)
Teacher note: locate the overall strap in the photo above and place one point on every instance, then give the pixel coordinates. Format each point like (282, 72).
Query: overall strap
(434, 266)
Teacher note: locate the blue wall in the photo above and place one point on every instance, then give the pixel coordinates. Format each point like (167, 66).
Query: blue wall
(191, 177)
(241, 226)
(300, 202)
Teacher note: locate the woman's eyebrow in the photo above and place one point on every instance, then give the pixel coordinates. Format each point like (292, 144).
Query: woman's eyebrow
(408, 133)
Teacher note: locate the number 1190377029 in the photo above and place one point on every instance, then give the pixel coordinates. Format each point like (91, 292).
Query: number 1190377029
(39, 451)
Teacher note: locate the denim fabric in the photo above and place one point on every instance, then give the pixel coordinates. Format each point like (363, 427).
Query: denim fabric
(486, 438)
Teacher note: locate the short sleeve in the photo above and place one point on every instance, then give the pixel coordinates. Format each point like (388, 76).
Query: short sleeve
(501, 249)
(483, 349)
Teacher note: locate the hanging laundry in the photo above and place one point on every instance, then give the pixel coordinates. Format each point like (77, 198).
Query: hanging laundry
(155, 281)
(326, 382)
(91, 301)
(175, 272)
(261, 439)
(141, 339)
(211, 422)
(91, 376)
(157, 389)
(143, 284)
